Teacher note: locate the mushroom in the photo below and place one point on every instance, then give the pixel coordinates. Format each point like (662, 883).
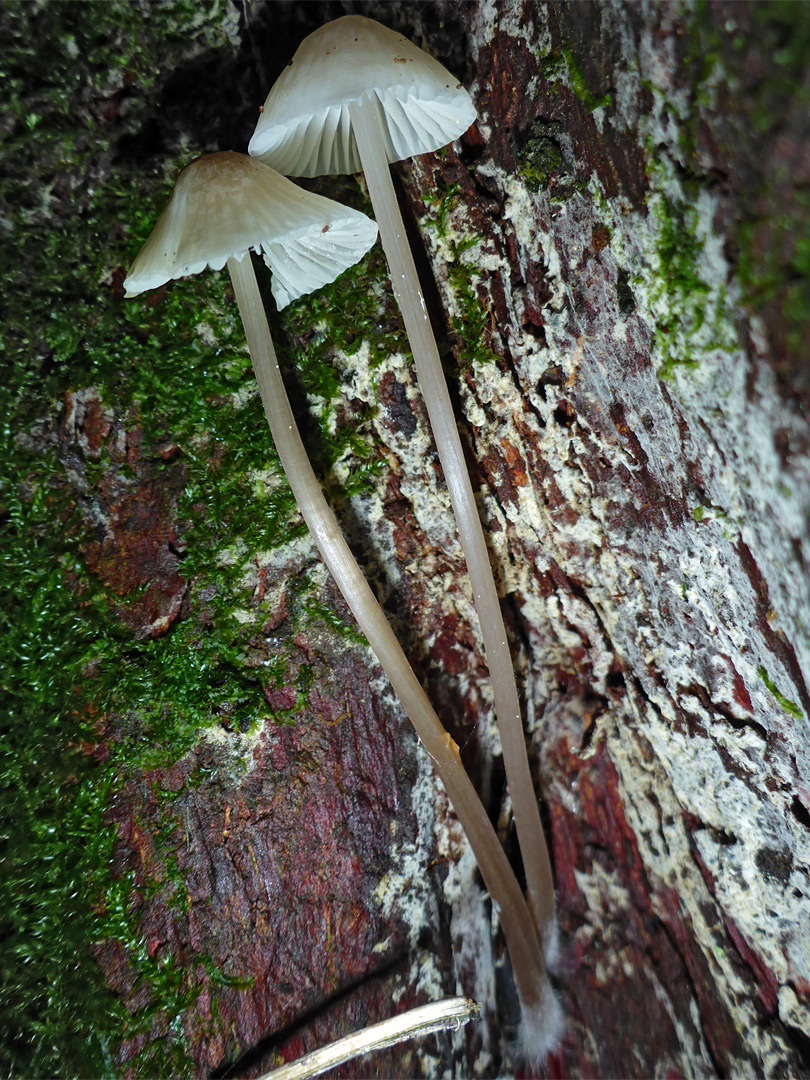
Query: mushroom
(358, 95)
(223, 205)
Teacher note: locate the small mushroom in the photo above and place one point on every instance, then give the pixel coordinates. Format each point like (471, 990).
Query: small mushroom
(360, 95)
(224, 205)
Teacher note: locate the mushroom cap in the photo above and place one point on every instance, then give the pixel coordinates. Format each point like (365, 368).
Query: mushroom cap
(225, 204)
(305, 129)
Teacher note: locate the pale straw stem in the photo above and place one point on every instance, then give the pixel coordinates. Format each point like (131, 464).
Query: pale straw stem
(518, 926)
(409, 296)
(446, 1015)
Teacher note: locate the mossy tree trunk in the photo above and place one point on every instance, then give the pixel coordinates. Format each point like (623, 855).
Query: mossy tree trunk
(617, 261)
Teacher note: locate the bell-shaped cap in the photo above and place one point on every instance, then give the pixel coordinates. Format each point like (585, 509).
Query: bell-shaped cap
(225, 204)
(305, 129)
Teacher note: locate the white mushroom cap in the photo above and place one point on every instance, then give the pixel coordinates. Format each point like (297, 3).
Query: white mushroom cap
(225, 204)
(305, 130)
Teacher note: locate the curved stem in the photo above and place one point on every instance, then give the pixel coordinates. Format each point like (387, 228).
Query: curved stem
(518, 926)
(445, 1015)
(536, 863)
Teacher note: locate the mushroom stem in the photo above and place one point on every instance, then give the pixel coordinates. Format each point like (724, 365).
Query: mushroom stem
(445, 1015)
(518, 927)
(536, 863)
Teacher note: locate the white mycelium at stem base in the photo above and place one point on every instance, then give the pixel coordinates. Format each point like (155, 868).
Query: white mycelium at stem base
(358, 95)
(222, 195)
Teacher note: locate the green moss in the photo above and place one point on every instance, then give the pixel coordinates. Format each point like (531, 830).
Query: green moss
(775, 266)
(473, 319)
(444, 201)
(771, 687)
(782, 30)
(542, 163)
(72, 660)
(354, 312)
(703, 67)
(172, 367)
(773, 41)
(169, 367)
(775, 276)
(563, 65)
(709, 513)
(678, 250)
(590, 100)
(541, 158)
(696, 319)
(470, 322)
(62, 660)
(56, 853)
(335, 623)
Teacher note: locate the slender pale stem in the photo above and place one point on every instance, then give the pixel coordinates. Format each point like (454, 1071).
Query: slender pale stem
(447, 1014)
(408, 292)
(518, 926)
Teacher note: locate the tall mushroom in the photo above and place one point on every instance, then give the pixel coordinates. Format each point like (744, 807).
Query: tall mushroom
(358, 95)
(224, 205)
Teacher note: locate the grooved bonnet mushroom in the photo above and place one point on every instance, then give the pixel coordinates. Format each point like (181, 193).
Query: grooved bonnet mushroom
(357, 94)
(224, 205)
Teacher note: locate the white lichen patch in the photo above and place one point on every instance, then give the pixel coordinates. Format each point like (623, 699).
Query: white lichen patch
(205, 331)
(300, 551)
(655, 817)
(232, 555)
(239, 749)
(470, 924)
(412, 455)
(404, 891)
(265, 482)
(792, 1011)
(245, 394)
(607, 898)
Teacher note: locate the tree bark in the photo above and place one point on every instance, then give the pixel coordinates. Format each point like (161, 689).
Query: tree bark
(616, 259)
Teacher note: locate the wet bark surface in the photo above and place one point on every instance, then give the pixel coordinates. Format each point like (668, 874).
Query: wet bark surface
(634, 402)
